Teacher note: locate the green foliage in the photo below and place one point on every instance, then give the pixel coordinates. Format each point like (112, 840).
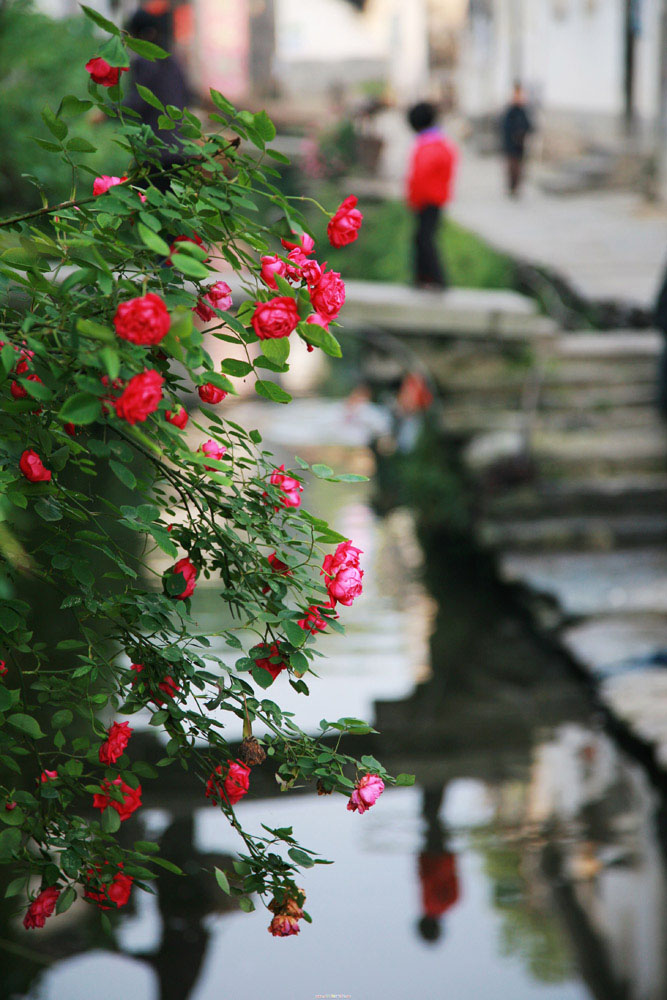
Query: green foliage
(124, 484)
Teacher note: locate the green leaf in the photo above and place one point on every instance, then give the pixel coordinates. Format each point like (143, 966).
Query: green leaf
(65, 899)
(71, 107)
(221, 102)
(122, 472)
(271, 391)
(300, 857)
(26, 724)
(48, 509)
(82, 408)
(246, 904)
(149, 97)
(276, 350)
(222, 880)
(54, 125)
(100, 21)
(61, 718)
(405, 779)
(79, 145)
(13, 818)
(264, 126)
(152, 240)
(262, 677)
(319, 337)
(111, 361)
(15, 886)
(110, 820)
(89, 328)
(296, 635)
(237, 368)
(188, 266)
(322, 471)
(6, 699)
(10, 840)
(146, 49)
(114, 52)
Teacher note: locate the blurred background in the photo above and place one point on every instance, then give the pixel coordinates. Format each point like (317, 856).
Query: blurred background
(511, 642)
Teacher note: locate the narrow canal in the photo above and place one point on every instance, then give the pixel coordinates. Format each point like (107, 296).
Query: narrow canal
(525, 863)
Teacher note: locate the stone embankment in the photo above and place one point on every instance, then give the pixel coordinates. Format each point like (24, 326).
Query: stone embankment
(568, 460)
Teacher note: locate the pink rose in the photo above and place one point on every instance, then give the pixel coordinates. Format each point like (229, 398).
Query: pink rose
(283, 925)
(130, 802)
(328, 296)
(318, 320)
(290, 488)
(311, 272)
(114, 746)
(302, 242)
(344, 226)
(343, 574)
(296, 259)
(313, 621)
(41, 908)
(366, 793)
(209, 393)
(102, 184)
(213, 450)
(189, 572)
(271, 661)
(233, 787)
(141, 397)
(178, 418)
(143, 320)
(101, 72)
(275, 318)
(219, 296)
(272, 265)
(32, 467)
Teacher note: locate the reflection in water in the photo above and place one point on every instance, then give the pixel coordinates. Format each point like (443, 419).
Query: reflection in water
(526, 863)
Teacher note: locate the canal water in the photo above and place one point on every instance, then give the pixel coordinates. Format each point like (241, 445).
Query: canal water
(525, 863)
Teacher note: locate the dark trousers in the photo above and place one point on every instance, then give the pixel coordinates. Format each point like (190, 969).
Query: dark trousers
(514, 172)
(428, 266)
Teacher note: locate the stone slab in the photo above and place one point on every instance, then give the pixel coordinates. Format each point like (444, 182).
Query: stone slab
(609, 646)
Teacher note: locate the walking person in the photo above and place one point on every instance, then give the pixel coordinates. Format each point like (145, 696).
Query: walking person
(515, 127)
(429, 188)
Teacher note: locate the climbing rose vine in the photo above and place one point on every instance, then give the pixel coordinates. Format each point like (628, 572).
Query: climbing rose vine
(128, 489)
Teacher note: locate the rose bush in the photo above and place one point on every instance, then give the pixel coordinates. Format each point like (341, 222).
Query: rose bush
(101, 488)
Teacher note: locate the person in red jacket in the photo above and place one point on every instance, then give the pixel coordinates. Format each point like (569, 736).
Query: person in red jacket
(429, 186)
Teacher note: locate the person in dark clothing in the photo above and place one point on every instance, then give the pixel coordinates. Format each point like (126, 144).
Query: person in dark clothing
(660, 320)
(166, 79)
(429, 187)
(515, 126)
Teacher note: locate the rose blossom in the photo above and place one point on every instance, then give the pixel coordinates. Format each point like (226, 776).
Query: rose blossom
(102, 184)
(3, 668)
(214, 450)
(303, 242)
(275, 318)
(289, 905)
(313, 621)
(178, 418)
(296, 258)
(184, 239)
(143, 320)
(272, 265)
(141, 397)
(47, 776)
(328, 296)
(19, 391)
(277, 566)
(219, 296)
(167, 685)
(234, 786)
(366, 793)
(283, 925)
(118, 737)
(267, 662)
(345, 224)
(131, 800)
(311, 272)
(41, 908)
(101, 72)
(209, 393)
(290, 488)
(189, 572)
(32, 467)
(11, 806)
(343, 574)
(117, 891)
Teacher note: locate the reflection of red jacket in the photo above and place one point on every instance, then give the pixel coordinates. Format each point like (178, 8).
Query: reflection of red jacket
(440, 884)
(432, 169)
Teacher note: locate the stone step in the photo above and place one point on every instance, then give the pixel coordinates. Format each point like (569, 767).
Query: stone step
(616, 345)
(631, 495)
(469, 420)
(478, 375)
(575, 533)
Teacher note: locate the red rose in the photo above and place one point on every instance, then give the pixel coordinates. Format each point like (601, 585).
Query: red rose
(213, 450)
(19, 391)
(70, 429)
(271, 661)
(344, 226)
(101, 72)
(209, 393)
(328, 296)
(275, 318)
(311, 272)
(131, 798)
(219, 296)
(47, 776)
(296, 260)
(189, 572)
(41, 908)
(302, 242)
(234, 785)
(291, 488)
(270, 267)
(167, 685)
(32, 468)
(184, 239)
(3, 668)
(343, 574)
(143, 320)
(102, 184)
(117, 891)
(114, 746)
(313, 621)
(178, 418)
(141, 397)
